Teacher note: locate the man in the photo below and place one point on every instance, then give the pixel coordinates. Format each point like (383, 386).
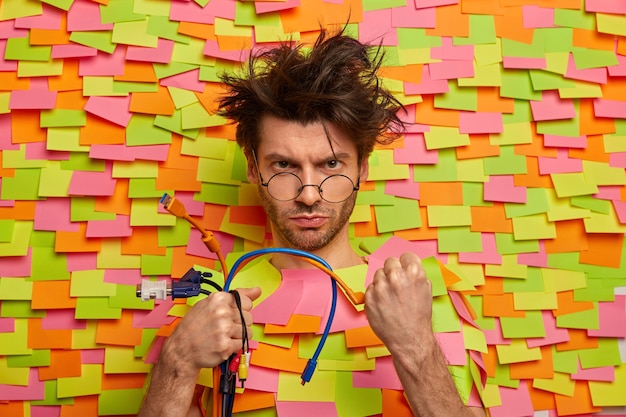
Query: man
(307, 123)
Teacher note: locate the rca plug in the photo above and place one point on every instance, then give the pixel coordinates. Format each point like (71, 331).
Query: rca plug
(242, 372)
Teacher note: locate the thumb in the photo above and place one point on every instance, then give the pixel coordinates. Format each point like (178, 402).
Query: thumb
(251, 293)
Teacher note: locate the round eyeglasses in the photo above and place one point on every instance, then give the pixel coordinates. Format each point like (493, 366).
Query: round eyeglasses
(286, 186)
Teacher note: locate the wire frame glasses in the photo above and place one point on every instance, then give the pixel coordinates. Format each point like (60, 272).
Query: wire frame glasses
(286, 186)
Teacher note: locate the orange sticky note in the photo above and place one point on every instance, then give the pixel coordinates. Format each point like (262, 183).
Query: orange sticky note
(361, 337)
(118, 203)
(102, 132)
(52, 295)
(118, 332)
(253, 400)
(567, 305)
(76, 241)
(25, 126)
(275, 357)
(177, 179)
(197, 30)
(82, 406)
(570, 237)
(479, 147)
(500, 306)
(489, 101)
(71, 100)
(542, 368)
(450, 22)
(592, 125)
(137, 71)
(441, 194)
(297, 323)
(395, 404)
(603, 250)
(143, 241)
(68, 80)
(532, 178)
(159, 102)
(63, 364)
(123, 381)
(578, 339)
(510, 25)
(427, 114)
(38, 338)
(490, 219)
(579, 403)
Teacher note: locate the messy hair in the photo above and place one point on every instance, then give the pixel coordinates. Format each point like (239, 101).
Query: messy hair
(335, 81)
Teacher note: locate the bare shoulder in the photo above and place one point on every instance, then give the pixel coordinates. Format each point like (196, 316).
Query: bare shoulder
(477, 411)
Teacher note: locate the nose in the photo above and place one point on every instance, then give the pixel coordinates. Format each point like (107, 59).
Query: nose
(310, 193)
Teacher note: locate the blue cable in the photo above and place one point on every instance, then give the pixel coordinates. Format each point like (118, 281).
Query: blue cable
(312, 363)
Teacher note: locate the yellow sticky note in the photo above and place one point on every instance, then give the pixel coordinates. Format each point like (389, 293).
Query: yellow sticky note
(382, 167)
(607, 394)
(15, 289)
(535, 301)
(90, 283)
(88, 383)
(443, 216)
(13, 376)
(474, 338)
(121, 360)
(604, 223)
(320, 388)
(533, 227)
(517, 352)
(16, 342)
(509, 268)
(445, 137)
(557, 280)
(560, 383)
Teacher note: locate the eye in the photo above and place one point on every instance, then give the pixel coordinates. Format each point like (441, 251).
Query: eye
(282, 164)
(333, 163)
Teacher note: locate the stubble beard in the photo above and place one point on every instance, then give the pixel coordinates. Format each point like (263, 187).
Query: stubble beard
(308, 239)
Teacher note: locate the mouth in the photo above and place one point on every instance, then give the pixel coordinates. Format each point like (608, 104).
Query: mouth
(308, 222)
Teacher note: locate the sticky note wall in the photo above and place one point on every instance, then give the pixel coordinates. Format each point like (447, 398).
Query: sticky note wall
(512, 174)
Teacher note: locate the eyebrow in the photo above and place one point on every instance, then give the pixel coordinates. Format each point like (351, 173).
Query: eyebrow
(275, 156)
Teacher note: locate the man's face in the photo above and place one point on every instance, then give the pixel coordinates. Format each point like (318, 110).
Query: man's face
(312, 153)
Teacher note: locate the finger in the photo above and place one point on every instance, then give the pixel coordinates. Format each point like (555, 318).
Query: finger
(391, 264)
(408, 258)
(248, 295)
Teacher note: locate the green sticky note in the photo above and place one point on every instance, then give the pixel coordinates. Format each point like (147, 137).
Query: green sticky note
(96, 308)
(507, 244)
(117, 11)
(596, 290)
(48, 265)
(65, 139)
(513, 48)
(62, 118)
(144, 188)
(120, 402)
(82, 162)
(192, 53)
(54, 181)
(508, 162)
(97, 39)
(439, 137)
(382, 167)
(482, 30)
(473, 192)
(19, 49)
(6, 230)
(574, 19)
(457, 98)
(218, 194)
(413, 38)
(218, 170)
(350, 400)
(147, 338)
(142, 131)
(593, 58)
(15, 289)
(554, 39)
(565, 361)
(533, 282)
(206, 147)
(444, 170)
(50, 395)
(23, 185)
(88, 383)
(404, 214)
(435, 276)
(509, 268)
(38, 357)
(83, 209)
(513, 133)
(572, 184)
(176, 235)
(503, 377)
(171, 68)
(60, 4)
(195, 116)
(13, 376)
(126, 87)
(173, 123)
(516, 84)
(133, 33)
(544, 80)
(489, 54)
(523, 327)
(334, 347)
(586, 319)
(122, 360)
(100, 86)
(606, 354)
(459, 239)
(157, 265)
(15, 342)
(446, 216)
(165, 28)
(376, 197)
(144, 212)
(536, 203)
(533, 227)
(591, 203)
(90, 283)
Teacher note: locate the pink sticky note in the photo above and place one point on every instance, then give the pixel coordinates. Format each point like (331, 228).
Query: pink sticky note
(449, 51)
(157, 317)
(50, 19)
(193, 207)
(527, 63)
(6, 143)
(62, 319)
(422, 4)
(618, 159)
(113, 109)
(447, 70)
(72, 51)
(609, 108)
(187, 80)
(620, 210)
(346, 317)
(375, 28)
(553, 335)
(603, 373)
(618, 70)
(103, 64)
(38, 97)
(579, 142)
(410, 16)
(428, 84)
(84, 15)
(408, 117)
(279, 307)
(212, 48)
(489, 254)
(33, 391)
(8, 30)
(480, 122)
(93, 183)
(604, 6)
(537, 17)
(305, 409)
(81, 261)
(161, 54)
(414, 151)
(124, 276)
(92, 356)
(109, 228)
(561, 164)
(612, 317)
(608, 192)
(552, 107)
(53, 214)
(403, 188)
(461, 308)
(384, 376)
(6, 65)
(37, 150)
(16, 266)
(452, 346)
(494, 336)
(7, 325)
(515, 402)
(502, 188)
(262, 379)
(592, 75)
(268, 7)
(190, 11)
(129, 153)
(317, 287)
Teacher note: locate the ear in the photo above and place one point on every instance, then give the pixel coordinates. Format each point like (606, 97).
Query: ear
(252, 174)
(365, 169)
